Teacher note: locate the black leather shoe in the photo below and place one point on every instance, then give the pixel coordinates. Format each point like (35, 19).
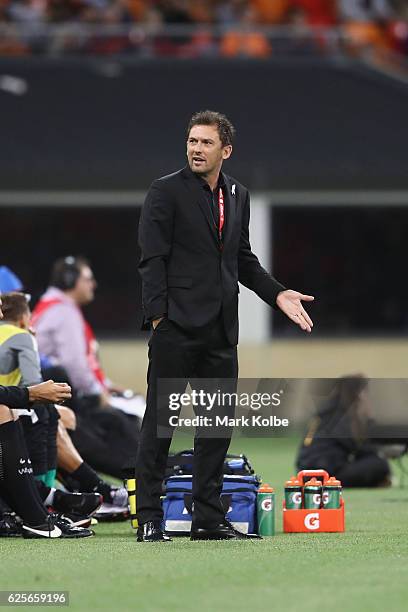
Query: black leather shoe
(224, 531)
(151, 532)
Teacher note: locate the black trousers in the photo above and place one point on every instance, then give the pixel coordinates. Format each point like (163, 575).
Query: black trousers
(367, 470)
(175, 353)
(106, 438)
(41, 438)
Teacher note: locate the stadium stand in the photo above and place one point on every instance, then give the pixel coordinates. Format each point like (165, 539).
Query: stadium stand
(203, 28)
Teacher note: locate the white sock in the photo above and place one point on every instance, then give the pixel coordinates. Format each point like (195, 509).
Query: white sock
(50, 498)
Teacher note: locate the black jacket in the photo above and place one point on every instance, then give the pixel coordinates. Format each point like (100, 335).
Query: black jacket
(14, 397)
(184, 272)
(330, 441)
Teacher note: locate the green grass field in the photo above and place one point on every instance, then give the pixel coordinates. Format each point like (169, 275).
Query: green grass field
(364, 569)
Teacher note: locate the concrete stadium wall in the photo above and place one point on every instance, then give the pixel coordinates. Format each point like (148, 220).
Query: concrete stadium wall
(126, 362)
(301, 124)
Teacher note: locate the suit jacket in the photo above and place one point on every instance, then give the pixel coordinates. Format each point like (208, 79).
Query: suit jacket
(184, 272)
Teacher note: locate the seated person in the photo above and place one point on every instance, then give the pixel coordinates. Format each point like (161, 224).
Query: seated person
(336, 438)
(18, 491)
(318, 12)
(17, 486)
(106, 437)
(67, 340)
(19, 360)
(271, 13)
(19, 365)
(364, 25)
(363, 11)
(245, 39)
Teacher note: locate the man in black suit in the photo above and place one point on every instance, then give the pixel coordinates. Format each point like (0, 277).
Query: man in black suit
(194, 239)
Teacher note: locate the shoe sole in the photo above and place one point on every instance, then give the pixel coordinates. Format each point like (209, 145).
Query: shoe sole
(77, 536)
(152, 541)
(112, 509)
(215, 537)
(82, 523)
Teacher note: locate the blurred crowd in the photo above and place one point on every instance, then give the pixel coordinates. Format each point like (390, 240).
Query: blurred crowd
(381, 24)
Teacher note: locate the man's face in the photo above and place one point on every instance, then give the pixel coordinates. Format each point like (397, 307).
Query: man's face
(205, 152)
(84, 290)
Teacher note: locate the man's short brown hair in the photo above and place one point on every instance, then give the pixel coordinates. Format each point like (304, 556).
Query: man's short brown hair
(15, 305)
(224, 126)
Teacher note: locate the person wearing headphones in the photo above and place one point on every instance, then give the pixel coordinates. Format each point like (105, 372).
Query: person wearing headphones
(64, 336)
(66, 339)
(105, 437)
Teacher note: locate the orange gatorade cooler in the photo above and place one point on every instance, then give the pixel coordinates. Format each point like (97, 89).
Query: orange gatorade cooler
(315, 516)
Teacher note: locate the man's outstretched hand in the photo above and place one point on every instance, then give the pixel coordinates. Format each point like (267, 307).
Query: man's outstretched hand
(290, 302)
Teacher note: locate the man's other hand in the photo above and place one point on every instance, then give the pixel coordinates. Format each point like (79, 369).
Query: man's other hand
(49, 391)
(104, 399)
(290, 302)
(155, 322)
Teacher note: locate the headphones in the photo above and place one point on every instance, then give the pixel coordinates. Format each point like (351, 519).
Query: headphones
(65, 273)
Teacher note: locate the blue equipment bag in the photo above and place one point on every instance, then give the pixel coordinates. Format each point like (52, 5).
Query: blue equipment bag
(238, 499)
(179, 464)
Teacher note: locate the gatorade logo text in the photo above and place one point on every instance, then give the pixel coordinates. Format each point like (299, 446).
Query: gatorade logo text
(325, 498)
(266, 505)
(312, 521)
(316, 499)
(297, 498)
